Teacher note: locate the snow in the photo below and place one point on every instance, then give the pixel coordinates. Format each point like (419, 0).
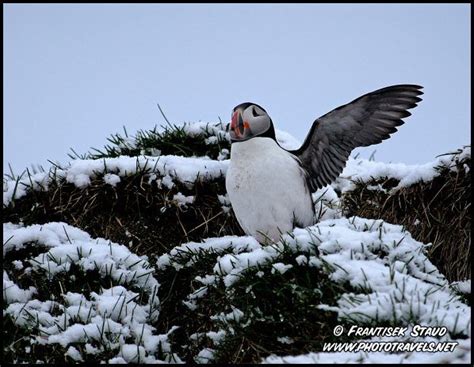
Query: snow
(231, 266)
(339, 241)
(111, 179)
(225, 201)
(183, 200)
(286, 140)
(281, 268)
(205, 356)
(74, 354)
(117, 360)
(103, 256)
(191, 250)
(206, 280)
(285, 340)
(462, 286)
(12, 293)
(167, 181)
(46, 235)
(392, 281)
(81, 172)
(18, 264)
(301, 260)
(196, 129)
(14, 189)
(223, 154)
(132, 353)
(90, 349)
(216, 336)
(211, 140)
(185, 169)
(116, 316)
(235, 315)
(365, 170)
(327, 203)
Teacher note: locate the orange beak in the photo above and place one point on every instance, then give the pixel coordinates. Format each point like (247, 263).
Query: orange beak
(238, 125)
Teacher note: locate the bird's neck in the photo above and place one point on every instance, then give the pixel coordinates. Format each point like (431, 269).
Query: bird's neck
(254, 149)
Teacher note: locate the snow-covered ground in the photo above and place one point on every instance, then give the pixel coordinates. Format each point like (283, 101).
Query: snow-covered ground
(168, 168)
(400, 284)
(397, 283)
(114, 318)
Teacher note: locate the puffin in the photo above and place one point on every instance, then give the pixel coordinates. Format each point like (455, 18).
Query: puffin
(270, 187)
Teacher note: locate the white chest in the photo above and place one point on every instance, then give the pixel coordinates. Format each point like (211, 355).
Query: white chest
(267, 189)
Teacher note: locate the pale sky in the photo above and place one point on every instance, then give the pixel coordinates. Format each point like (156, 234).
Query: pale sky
(76, 73)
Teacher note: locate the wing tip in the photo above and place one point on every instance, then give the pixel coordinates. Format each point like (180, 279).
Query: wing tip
(414, 88)
(402, 88)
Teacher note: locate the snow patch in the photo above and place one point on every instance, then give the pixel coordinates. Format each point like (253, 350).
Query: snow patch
(183, 200)
(111, 179)
(362, 170)
(281, 268)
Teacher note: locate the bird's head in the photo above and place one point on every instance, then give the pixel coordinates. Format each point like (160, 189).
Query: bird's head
(250, 120)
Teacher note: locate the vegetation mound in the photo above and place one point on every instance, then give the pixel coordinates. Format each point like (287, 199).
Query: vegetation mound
(186, 285)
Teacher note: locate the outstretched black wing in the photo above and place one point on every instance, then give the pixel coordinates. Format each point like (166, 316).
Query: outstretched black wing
(365, 121)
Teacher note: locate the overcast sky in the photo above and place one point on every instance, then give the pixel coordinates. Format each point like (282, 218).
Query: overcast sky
(76, 73)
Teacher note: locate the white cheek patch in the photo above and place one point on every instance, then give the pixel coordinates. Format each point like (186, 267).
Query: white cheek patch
(258, 124)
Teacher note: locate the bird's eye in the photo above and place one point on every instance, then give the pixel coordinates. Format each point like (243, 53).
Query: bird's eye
(254, 112)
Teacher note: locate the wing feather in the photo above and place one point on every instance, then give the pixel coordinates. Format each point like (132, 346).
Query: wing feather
(367, 120)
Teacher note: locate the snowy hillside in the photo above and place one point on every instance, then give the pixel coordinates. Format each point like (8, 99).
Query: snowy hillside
(133, 254)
